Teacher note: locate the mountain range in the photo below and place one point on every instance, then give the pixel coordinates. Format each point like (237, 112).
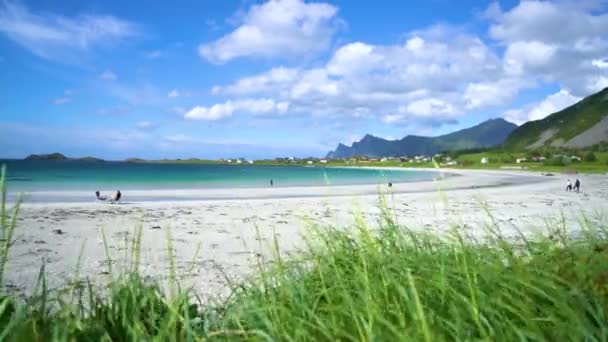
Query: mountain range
(487, 134)
(581, 125)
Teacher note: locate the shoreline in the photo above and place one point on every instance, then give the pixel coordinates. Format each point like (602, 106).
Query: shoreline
(233, 233)
(455, 180)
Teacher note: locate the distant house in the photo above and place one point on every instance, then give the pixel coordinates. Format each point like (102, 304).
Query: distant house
(450, 163)
(384, 159)
(323, 161)
(520, 160)
(228, 161)
(484, 160)
(250, 161)
(310, 162)
(538, 158)
(575, 158)
(422, 159)
(239, 161)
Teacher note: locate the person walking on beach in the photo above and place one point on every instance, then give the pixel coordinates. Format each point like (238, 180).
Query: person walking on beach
(577, 185)
(271, 183)
(569, 186)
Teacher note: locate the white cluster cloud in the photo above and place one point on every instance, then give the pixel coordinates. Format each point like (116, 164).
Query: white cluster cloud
(536, 111)
(175, 93)
(54, 36)
(427, 111)
(264, 82)
(431, 77)
(493, 93)
(108, 75)
(557, 41)
(420, 78)
(438, 74)
(224, 110)
(276, 28)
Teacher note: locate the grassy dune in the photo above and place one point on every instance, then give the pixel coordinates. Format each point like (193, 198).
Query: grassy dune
(385, 282)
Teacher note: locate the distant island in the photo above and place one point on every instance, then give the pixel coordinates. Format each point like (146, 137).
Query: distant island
(52, 156)
(61, 157)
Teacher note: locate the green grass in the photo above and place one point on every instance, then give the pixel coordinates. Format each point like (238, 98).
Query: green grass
(501, 159)
(383, 282)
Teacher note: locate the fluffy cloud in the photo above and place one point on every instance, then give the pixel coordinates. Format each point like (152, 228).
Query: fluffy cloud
(430, 107)
(600, 63)
(265, 82)
(560, 42)
(227, 109)
(276, 28)
(427, 73)
(354, 58)
(213, 113)
(426, 111)
(488, 94)
(524, 55)
(550, 21)
(174, 93)
(438, 74)
(108, 75)
(56, 37)
(536, 111)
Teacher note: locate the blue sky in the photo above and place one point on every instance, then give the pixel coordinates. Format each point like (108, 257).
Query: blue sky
(212, 79)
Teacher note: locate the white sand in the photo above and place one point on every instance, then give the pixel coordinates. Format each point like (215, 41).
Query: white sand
(225, 227)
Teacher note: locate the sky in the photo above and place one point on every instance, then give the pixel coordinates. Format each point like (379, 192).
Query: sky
(253, 79)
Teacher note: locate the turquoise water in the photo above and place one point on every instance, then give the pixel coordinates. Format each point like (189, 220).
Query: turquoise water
(32, 176)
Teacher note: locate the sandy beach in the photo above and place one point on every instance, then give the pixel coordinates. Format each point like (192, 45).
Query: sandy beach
(232, 228)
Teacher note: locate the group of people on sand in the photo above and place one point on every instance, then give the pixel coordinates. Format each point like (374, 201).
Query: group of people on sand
(577, 186)
(113, 199)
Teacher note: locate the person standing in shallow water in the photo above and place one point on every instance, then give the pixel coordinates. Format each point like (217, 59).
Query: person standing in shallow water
(569, 186)
(577, 185)
(271, 183)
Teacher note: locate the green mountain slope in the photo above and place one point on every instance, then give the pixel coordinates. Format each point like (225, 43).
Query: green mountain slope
(580, 125)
